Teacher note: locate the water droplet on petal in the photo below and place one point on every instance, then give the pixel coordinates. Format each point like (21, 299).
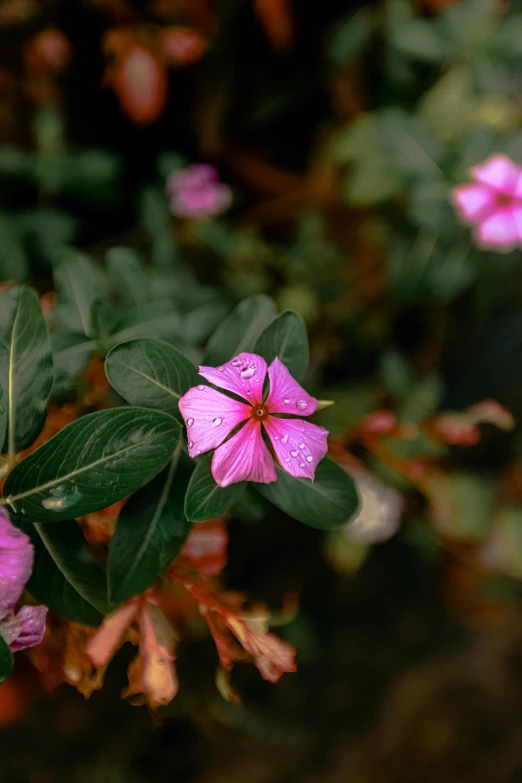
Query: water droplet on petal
(190, 444)
(221, 369)
(302, 465)
(309, 458)
(198, 451)
(190, 422)
(301, 445)
(286, 401)
(276, 437)
(284, 439)
(287, 459)
(201, 388)
(301, 405)
(216, 422)
(247, 372)
(249, 393)
(293, 453)
(236, 362)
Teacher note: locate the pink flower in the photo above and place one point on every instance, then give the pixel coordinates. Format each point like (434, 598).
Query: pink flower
(196, 192)
(26, 628)
(493, 204)
(211, 416)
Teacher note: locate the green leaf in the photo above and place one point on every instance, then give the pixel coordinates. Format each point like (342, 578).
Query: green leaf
(103, 320)
(13, 258)
(205, 499)
(150, 373)
(26, 367)
(127, 276)
(78, 282)
(326, 503)
(6, 660)
(287, 338)
(151, 530)
(421, 40)
(351, 34)
(240, 330)
(56, 588)
(92, 463)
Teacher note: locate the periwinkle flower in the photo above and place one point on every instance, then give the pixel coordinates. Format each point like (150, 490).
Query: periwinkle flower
(211, 417)
(197, 193)
(26, 627)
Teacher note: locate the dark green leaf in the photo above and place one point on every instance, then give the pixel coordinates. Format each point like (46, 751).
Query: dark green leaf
(240, 330)
(151, 530)
(287, 338)
(103, 320)
(54, 588)
(151, 374)
(13, 258)
(92, 463)
(6, 660)
(78, 281)
(205, 499)
(26, 367)
(326, 503)
(127, 276)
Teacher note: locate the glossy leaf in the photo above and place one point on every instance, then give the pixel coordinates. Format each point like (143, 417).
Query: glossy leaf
(92, 463)
(26, 367)
(103, 321)
(78, 281)
(287, 338)
(240, 330)
(151, 374)
(328, 502)
(150, 532)
(205, 499)
(127, 276)
(6, 660)
(56, 588)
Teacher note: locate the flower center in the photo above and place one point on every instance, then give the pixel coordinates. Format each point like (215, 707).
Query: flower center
(259, 412)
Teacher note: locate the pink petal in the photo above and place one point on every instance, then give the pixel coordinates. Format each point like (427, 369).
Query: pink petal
(498, 232)
(210, 417)
(245, 457)
(517, 191)
(244, 375)
(109, 636)
(32, 623)
(299, 445)
(286, 395)
(517, 217)
(474, 201)
(499, 172)
(201, 202)
(16, 562)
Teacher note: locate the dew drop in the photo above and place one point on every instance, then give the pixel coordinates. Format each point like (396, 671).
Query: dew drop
(190, 444)
(236, 362)
(198, 451)
(287, 459)
(309, 458)
(249, 393)
(221, 369)
(190, 422)
(248, 372)
(201, 388)
(301, 445)
(276, 437)
(302, 465)
(301, 405)
(293, 453)
(216, 422)
(284, 439)
(286, 401)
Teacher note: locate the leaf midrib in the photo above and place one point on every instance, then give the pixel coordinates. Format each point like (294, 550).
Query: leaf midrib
(152, 380)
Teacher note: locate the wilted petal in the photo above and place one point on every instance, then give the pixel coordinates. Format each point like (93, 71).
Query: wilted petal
(109, 636)
(244, 457)
(244, 375)
(158, 680)
(16, 562)
(286, 395)
(299, 445)
(32, 627)
(498, 232)
(206, 549)
(499, 172)
(210, 417)
(474, 201)
(272, 656)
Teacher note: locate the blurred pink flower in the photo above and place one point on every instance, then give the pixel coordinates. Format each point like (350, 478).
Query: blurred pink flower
(26, 628)
(493, 204)
(197, 193)
(211, 416)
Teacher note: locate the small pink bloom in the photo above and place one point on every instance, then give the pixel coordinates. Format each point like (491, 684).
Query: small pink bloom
(196, 192)
(211, 417)
(493, 204)
(26, 628)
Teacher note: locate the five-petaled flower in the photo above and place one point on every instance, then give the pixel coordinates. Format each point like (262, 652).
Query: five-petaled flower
(197, 193)
(493, 204)
(211, 417)
(26, 628)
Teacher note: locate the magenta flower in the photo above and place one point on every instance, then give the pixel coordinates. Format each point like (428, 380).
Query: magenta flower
(211, 416)
(26, 628)
(196, 192)
(493, 204)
